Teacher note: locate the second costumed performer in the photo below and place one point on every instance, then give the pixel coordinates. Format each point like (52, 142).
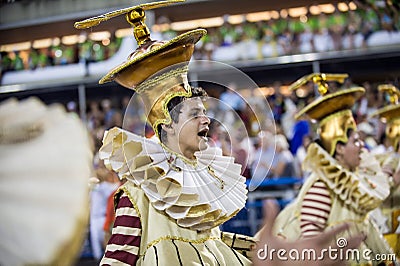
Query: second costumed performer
(389, 211)
(346, 182)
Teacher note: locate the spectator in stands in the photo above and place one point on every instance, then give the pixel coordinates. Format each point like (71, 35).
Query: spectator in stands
(229, 35)
(110, 213)
(33, 59)
(6, 62)
(231, 104)
(109, 218)
(217, 135)
(301, 153)
(305, 39)
(283, 164)
(231, 99)
(337, 190)
(383, 146)
(98, 205)
(95, 116)
(243, 149)
(300, 130)
(336, 26)
(17, 62)
(260, 168)
(367, 133)
(285, 40)
(49, 54)
(112, 117)
(287, 117)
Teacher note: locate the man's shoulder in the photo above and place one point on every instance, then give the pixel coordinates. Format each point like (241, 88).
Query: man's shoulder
(134, 192)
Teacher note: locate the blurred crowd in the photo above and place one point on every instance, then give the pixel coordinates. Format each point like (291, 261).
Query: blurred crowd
(275, 36)
(288, 35)
(59, 54)
(250, 124)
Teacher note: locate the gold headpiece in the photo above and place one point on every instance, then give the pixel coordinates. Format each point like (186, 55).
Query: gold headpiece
(156, 70)
(390, 114)
(331, 110)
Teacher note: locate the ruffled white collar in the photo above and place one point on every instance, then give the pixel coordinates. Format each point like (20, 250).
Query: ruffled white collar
(199, 194)
(363, 190)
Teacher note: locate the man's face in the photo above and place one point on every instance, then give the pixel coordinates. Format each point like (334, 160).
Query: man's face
(191, 129)
(352, 150)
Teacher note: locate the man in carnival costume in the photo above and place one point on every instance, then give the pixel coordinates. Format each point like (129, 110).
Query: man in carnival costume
(390, 115)
(178, 190)
(346, 182)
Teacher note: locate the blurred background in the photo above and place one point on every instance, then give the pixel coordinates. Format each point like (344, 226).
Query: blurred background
(273, 42)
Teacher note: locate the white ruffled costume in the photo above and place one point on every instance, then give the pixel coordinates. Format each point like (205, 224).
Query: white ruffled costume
(183, 200)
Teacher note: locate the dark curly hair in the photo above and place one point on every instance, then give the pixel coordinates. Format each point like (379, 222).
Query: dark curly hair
(174, 108)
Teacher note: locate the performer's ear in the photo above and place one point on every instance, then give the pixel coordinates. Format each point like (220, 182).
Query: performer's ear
(339, 150)
(168, 128)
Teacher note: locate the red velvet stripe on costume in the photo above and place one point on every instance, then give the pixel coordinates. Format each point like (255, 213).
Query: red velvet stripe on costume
(123, 246)
(314, 214)
(124, 240)
(315, 209)
(122, 256)
(314, 201)
(124, 202)
(128, 221)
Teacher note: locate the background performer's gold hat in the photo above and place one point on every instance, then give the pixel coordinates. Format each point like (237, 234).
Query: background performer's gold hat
(156, 70)
(332, 110)
(390, 114)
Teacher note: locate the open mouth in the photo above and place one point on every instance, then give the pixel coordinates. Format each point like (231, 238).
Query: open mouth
(203, 133)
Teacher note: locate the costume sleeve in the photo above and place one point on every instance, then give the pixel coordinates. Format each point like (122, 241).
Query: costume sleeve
(315, 209)
(123, 246)
(241, 243)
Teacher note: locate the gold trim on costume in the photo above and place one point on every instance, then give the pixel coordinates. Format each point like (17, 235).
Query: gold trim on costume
(198, 210)
(169, 237)
(180, 156)
(150, 82)
(135, 206)
(225, 218)
(221, 182)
